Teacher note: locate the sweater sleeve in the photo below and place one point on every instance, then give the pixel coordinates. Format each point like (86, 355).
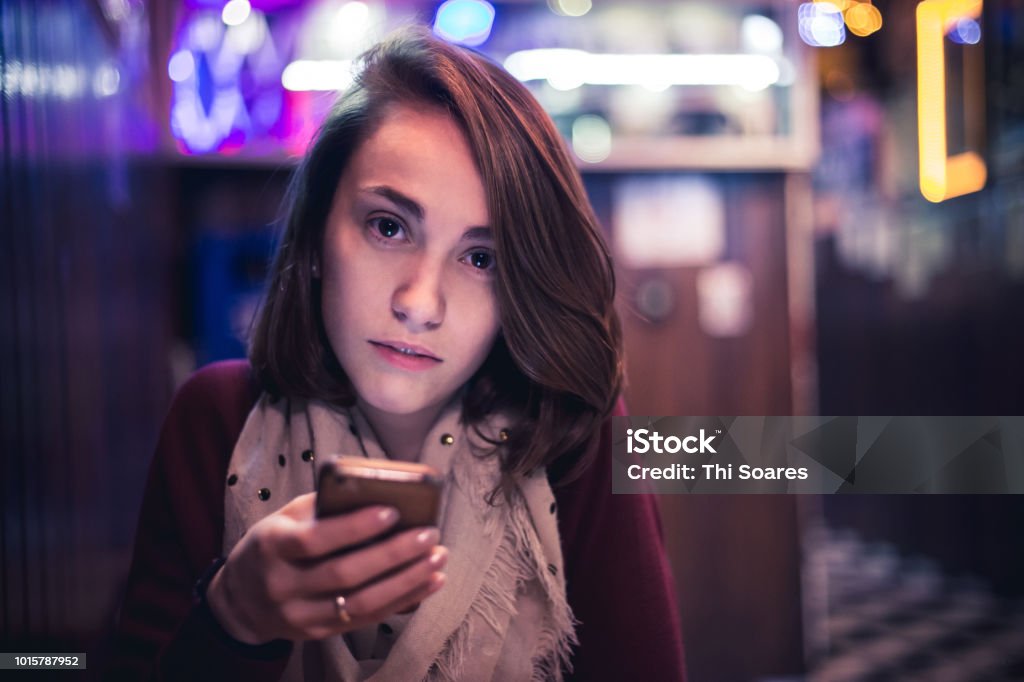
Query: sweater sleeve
(163, 633)
(618, 579)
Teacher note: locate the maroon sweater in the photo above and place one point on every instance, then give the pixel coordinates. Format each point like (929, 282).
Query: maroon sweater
(618, 581)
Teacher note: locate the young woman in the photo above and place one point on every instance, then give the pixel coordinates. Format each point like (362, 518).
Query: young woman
(441, 293)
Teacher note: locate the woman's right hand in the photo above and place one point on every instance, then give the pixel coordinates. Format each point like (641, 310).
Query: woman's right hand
(282, 578)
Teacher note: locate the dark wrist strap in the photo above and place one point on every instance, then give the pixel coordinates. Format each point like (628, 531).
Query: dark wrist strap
(207, 623)
(199, 589)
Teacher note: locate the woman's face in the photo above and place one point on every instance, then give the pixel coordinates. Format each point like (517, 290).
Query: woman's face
(408, 265)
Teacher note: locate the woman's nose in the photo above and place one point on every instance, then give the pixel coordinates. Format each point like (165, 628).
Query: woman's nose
(418, 300)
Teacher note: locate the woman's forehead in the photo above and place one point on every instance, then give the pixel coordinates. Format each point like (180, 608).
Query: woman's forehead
(422, 156)
(406, 136)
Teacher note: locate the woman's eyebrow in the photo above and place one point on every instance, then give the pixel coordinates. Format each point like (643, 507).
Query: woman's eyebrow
(477, 234)
(396, 197)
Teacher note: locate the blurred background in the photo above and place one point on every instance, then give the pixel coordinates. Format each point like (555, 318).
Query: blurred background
(815, 208)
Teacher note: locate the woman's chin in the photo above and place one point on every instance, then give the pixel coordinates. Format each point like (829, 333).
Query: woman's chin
(398, 403)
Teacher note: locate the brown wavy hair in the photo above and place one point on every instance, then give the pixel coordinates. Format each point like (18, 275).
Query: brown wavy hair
(557, 363)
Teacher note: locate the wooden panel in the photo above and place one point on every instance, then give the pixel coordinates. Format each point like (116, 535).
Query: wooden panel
(735, 558)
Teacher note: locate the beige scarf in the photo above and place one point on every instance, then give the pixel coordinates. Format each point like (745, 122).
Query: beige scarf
(502, 614)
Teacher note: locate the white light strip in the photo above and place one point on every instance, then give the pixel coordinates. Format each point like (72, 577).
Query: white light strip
(566, 69)
(327, 74)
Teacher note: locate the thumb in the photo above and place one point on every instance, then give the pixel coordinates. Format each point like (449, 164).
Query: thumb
(300, 508)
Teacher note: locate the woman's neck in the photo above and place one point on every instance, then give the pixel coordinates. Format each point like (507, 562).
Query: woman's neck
(401, 435)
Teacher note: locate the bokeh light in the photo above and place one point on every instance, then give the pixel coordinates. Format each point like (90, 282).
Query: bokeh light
(821, 24)
(568, 69)
(181, 66)
(306, 75)
(570, 8)
(248, 36)
(591, 138)
(235, 12)
(106, 81)
(863, 19)
(760, 35)
(204, 32)
(965, 32)
(349, 25)
(467, 22)
(841, 5)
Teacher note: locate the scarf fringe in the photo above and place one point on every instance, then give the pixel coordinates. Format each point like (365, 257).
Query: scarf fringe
(517, 564)
(558, 633)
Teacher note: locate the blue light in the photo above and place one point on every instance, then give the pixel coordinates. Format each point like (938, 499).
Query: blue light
(965, 32)
(820, 24)
(464, 21)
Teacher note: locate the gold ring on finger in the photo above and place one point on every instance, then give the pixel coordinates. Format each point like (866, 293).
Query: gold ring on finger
(342, 609)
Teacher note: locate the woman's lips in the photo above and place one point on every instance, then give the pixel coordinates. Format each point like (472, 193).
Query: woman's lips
(405, 356)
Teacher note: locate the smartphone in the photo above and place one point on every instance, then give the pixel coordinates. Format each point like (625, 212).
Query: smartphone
(350, 483)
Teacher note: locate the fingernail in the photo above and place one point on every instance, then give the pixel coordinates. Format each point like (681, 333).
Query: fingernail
(436, 581)
(438, 557)
(428, 537)
(387, 515)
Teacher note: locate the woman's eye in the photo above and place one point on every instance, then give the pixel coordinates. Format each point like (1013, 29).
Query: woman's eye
(481, 260)
(386, 227)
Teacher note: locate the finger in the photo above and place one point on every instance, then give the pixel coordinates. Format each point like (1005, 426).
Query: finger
(319, 618)
(300, 508)
(410, 601)
(316, 619)
(348, 572)
(375, 599)
(317, 538)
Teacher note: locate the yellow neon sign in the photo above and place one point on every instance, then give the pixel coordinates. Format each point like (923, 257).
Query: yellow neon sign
(941, 176)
